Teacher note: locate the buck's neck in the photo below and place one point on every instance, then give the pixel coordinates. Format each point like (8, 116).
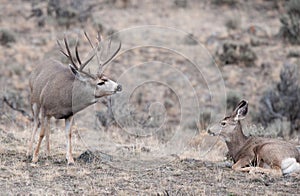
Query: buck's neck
(82, 96)
(237, 140)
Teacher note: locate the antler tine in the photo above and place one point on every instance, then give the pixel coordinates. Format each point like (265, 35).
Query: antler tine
(61, 49)
(89, 74)
(99, 37)
(102, 66)
(109, 45)
(69, 53)
(77, 54)
(87, 37)
(82, 65)
(85, 63)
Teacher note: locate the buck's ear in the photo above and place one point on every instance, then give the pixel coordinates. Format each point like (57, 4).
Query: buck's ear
(75, 72)
(241, 110)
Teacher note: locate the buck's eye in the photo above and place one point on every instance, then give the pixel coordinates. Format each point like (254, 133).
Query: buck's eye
(100, 83)
(223, 124)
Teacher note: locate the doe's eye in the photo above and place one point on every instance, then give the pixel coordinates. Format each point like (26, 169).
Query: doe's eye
(100, 83)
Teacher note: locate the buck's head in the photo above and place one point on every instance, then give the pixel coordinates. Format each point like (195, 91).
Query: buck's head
(228, 127)
(98, 84)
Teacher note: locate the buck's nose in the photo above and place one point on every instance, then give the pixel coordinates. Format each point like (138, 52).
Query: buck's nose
(210, 132)
(119, 87)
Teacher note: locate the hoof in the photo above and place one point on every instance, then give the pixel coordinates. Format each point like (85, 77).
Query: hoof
(33, 164)
(35, 159)
(71, 162)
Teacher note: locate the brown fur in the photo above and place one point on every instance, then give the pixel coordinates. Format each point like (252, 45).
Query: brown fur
(61, 91)
(263, 153)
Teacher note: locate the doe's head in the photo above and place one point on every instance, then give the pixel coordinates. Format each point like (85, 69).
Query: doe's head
(226, 127)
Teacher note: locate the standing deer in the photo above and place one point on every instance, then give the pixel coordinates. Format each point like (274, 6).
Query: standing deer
(61, 91)
(270, 156)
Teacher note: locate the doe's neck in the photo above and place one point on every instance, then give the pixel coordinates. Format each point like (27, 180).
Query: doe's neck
(237, 141)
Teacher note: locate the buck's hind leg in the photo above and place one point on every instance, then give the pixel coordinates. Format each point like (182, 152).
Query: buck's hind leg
(35, 156)
(36, 125)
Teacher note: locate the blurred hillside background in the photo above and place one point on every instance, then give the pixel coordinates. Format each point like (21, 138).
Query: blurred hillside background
(254, 45)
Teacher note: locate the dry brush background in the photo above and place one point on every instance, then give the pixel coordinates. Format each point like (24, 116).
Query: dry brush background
(255, 45)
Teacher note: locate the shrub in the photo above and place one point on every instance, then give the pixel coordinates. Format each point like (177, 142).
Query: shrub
(69, 12)
(232, 100)
(282, 101)
(7, 37)
(233, 23)
(225, 2)
(290, 22)
(237, 53)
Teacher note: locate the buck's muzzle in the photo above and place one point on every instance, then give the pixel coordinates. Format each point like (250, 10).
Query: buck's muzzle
(119, 87)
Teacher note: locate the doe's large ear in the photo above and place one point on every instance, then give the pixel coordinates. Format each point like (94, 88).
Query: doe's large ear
(240, 111)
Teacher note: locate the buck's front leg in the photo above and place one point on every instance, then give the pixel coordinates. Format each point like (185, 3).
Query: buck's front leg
(36, 125)
(69, 157)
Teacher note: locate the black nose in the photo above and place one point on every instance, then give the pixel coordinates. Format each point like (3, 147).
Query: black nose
(119, 87)
(210, 132)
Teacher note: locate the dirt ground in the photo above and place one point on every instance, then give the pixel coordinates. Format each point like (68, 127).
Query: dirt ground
(172, 78)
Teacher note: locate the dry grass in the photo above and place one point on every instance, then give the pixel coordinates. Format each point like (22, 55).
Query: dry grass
(174, 159)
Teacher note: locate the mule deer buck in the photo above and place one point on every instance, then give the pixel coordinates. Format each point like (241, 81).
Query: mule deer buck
(270, 156)
(61, 91)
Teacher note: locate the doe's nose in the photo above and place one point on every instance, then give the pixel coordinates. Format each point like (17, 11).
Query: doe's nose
(119, 87)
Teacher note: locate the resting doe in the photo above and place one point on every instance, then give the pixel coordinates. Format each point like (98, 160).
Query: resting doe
(255, 154)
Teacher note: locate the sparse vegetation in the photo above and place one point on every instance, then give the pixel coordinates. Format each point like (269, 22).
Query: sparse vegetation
(232, 100)
(63, 13)
(290, 22)
(190, 39)
(112, 159)
(181, 3)
(237, 53)
(225, 2)
(7, 37)
(205, 118)
(282, 102)
(233, 23)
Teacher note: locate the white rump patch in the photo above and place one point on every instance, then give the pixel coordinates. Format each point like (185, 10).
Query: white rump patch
(290, 165)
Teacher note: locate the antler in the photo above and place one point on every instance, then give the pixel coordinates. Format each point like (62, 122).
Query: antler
(68, 54)
(103, 65)
(79, 65)
(100, 47)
